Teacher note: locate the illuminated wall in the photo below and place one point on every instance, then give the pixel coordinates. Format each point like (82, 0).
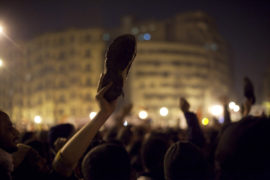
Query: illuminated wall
(180, 56)
(57, 77)
(266, 91)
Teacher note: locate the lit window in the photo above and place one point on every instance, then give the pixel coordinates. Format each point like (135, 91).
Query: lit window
(106, 37)
(214, 47)
(141, 37)
(147, 36)
(88, 53)
(134, 30)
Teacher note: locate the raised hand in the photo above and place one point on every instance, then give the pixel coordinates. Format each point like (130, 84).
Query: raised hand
(104, 105)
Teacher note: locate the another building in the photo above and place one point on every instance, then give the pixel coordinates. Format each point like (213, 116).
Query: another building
(182, 56)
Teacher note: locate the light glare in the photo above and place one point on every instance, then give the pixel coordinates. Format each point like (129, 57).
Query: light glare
(231, 105)
(1, 62)
(37, 119)
(143, 114)
(236, 108)
(125, 123)
(92, 115)
(163, 111)
(147, 36)
(205, 121)
(216, 110)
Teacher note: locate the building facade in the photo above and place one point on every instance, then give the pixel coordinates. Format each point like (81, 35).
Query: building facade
(56, 75)
(266, 91)
(184, 56)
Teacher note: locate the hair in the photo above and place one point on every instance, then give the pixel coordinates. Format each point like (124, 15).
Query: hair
(243, 150)
(105, 162)
(184, 160)
(3, 115)
(61, 130)
(153, 150)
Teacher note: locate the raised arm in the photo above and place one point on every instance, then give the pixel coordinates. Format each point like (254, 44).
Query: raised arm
(67, 157)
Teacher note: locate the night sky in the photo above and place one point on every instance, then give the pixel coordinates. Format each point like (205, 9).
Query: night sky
(244, 24)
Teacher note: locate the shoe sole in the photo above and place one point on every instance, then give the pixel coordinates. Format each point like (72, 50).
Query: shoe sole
(119, 58)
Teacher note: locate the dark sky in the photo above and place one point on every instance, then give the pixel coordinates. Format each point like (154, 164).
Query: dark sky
(244, 24)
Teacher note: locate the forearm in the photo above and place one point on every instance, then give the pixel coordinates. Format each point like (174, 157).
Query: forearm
(68, 156)
(227, 117)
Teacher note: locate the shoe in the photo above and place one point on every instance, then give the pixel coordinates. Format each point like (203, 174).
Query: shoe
(119, 57)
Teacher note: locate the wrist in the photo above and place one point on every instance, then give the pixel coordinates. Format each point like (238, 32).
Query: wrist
(103, 113)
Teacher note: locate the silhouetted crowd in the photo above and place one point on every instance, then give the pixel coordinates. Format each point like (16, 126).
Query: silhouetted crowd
(235, 150)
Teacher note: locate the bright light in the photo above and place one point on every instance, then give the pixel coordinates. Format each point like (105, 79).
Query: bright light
(163, 111)
(37, 119)
(236, 108)
(221, 120)
(143, 114)
(205, 121)
(1, 29)
(231, 105)
(125, 123)
(147, 36)
(216, 110)
(1, 62)
(92, 115)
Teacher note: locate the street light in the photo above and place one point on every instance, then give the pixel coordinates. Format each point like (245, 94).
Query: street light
(163, 111)
(37, 119)
(231, 105)
(1, 62)
(216, 110)
(205, 121)
(143, 114)
(236, 108)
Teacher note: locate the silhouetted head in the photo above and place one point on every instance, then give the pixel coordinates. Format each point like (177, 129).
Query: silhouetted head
(60, 130)
(105, 162)
(8, 133)
(243, 150)
(153, 150)
(184, 160)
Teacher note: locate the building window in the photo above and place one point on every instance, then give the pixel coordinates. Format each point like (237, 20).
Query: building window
(62, 69)
(87, 38)
(62, 84)
(88, 82)
(88, 67)
(134, 30)
(61, 111)
(87, 53)
(72, 38)
(88, 97)
(62, 99)
(106, 37)
(61, 41)
(62, 56)
(72, 95)
(74, 80)
(72, 52)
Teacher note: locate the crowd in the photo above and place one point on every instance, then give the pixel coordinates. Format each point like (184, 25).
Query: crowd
(234, 151)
